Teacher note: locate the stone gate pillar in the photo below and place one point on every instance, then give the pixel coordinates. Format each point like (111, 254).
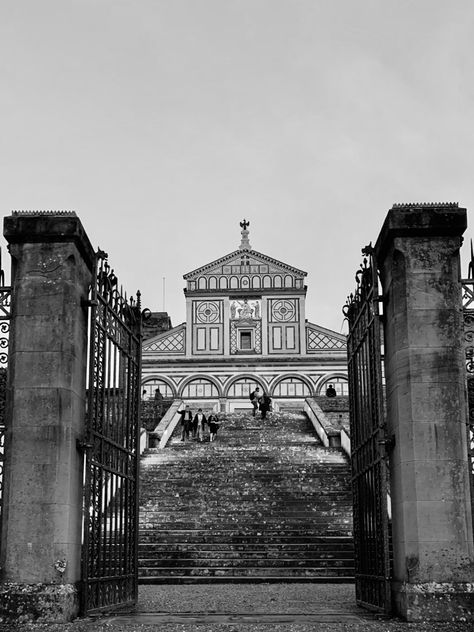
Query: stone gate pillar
(52, 262)
(418, 254)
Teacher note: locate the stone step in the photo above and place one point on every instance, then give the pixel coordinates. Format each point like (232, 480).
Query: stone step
(262, 571)
(265, 502)
(245, 563)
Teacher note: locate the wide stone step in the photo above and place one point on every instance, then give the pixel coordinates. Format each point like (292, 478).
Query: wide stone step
(262, 571)
(245, 563)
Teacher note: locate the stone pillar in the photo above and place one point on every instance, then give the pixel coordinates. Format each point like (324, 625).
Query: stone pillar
(418, 254)
(52, 261)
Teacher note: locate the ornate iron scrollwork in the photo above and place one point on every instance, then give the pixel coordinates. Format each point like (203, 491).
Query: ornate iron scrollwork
(369, 443)
(467, 293)
(110, 446)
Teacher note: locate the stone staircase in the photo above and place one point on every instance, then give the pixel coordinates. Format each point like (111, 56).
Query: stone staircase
(265, 502)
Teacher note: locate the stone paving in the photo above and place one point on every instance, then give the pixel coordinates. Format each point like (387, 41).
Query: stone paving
(244, 608)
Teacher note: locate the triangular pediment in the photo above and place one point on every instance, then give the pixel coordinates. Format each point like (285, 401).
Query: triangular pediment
(244, 262)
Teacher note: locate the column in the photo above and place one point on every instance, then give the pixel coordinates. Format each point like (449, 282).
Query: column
(52, 262)
(418, 254)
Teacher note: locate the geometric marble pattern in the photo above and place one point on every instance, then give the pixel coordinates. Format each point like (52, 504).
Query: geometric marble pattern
(317, 340)
(174, 343)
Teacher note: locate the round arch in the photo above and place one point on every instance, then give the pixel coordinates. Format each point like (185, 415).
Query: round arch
(204, 377)
(292, 376)
(164, 380)
(202, 283)
(336, 378)
(212, 283)
(245, 376)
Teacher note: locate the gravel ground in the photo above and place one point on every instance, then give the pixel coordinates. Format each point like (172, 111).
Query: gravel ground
(244, 608)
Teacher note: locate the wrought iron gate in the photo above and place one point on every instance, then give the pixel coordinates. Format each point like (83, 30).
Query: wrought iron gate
(468, 315)
(5, 315)
(109, 562)
(368, 440)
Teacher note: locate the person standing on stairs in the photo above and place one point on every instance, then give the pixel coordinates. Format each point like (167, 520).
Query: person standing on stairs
(265, 404)
(254, 398)
(199, 422)
(213, 420)
(186, 422)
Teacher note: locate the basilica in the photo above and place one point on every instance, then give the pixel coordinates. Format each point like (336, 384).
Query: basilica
(245, 327)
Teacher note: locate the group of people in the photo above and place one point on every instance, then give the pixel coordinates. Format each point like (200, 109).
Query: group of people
(260, 401)
(196, 425)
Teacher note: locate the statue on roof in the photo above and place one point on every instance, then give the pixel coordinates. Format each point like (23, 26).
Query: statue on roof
(245, 244)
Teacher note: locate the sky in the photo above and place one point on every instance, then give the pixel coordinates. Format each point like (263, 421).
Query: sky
(165, 123)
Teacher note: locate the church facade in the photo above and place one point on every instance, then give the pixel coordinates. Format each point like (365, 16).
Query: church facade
(245, 326)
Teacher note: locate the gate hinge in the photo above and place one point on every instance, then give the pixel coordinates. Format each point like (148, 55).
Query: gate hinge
(83, 446)
(85, 302)
(389, 443)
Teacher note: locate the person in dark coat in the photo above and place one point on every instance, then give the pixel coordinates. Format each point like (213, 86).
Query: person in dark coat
(331, 391)
(213, 420)
(186, 422)
(199, 423)
(255, 398)
(265, 404)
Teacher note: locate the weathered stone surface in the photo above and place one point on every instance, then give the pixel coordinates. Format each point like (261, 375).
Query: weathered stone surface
(39, 603)
(418, 251)
(42, 504)
(266, 501)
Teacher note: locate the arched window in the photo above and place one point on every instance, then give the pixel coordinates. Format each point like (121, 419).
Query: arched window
(245, 283)
(149, 388)
(288, 281)
(340, 384)
(256, 281)
(202, 283)
(223, 283)
(212, 283)
(277, 281)
(292, 387)
(243, 387)
(267, 281)
(234, 282)
(200, 387)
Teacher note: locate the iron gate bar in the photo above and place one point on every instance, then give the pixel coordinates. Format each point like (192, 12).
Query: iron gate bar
(110, 547)
(368, 441)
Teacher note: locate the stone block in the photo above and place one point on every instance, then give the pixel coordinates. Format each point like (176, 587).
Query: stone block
(22, 603)
(431, 601)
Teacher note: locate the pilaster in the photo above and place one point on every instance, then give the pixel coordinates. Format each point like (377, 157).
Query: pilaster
(418, 255)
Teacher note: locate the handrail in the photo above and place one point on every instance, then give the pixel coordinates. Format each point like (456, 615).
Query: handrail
(169, 422)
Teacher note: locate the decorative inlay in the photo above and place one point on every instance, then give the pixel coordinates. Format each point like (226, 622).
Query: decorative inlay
(284, 311)
(207, 312)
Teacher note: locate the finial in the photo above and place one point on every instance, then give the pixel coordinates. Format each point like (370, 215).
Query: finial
(245, 244)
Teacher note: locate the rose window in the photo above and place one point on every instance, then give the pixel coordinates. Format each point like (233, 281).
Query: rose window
(284, 311)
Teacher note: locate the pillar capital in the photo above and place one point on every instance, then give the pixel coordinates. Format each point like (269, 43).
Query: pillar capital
(420, 220)
(23, 227)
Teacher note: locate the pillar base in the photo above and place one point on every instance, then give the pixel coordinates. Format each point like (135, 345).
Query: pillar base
(434, 601)
(41, 603)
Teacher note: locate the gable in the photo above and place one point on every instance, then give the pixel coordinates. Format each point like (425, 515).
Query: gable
(244, 262)
(321, 339)
(170, 342)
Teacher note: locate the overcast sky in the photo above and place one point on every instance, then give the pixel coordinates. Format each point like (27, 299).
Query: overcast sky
(164, 123)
